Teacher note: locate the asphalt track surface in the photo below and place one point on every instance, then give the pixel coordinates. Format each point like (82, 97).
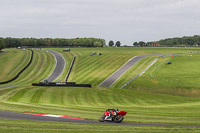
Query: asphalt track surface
(21, 116)
(60, 65)
(117, 74)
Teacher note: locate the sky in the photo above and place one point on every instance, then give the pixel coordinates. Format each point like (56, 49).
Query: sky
(126, 21)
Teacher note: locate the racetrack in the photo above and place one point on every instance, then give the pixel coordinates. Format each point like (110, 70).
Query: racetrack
(59, 68)
(20, 116)
(117, 74)
(11, 115)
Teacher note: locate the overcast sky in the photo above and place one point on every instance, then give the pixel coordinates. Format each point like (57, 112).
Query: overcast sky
(124, 20)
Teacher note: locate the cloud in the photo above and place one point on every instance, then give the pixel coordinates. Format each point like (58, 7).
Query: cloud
(127, 20)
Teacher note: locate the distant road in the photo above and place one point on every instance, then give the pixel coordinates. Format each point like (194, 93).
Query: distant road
(117, 74)
(60, 65)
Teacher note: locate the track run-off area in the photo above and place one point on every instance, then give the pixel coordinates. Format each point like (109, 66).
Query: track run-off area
(93, 99)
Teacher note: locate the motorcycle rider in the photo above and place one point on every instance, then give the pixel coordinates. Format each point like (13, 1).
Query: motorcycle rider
(111, 112)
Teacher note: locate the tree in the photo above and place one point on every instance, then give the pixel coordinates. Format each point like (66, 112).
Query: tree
(111, 43)
(98, 44)
(141, 43)
(118, 43)
(135, 44)
(2, 44)
(180, 41)
(86, 42)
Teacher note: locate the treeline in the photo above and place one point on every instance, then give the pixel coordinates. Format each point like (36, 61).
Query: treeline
(58, 42)
(182, 41)
(177, 41)
(2, 44)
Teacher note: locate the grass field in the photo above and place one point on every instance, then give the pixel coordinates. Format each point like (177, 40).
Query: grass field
(41, 67)
(12, 62)
(168, 94)
(89, 103)
(182, 76)
(94, 69)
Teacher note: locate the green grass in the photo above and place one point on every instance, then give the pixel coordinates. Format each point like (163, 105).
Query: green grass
(182, 75)
(133, 71)
(168, 94)
(41, 67)
(91, 69)
(90, 103)
(19, 126)
(95, 69)
(12, 62)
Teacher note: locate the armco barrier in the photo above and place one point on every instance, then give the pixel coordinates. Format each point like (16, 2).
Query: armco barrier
(5, 82)
(70, 69)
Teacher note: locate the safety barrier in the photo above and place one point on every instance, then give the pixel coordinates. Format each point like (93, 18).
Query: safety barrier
(61, 84)
(70, 69)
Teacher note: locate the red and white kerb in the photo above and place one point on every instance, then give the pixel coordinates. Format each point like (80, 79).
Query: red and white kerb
(57, 116)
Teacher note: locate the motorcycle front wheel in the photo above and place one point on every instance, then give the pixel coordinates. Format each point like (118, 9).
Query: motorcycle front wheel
(118, 118)
(102, 118)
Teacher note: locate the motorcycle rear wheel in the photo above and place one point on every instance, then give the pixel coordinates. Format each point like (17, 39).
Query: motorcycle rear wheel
(118, 118)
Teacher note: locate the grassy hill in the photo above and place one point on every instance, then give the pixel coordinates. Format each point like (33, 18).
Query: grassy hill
(12, 62)
(168, 94)
(179, 78)
(90, 103)
(94, 69)
(41, 67)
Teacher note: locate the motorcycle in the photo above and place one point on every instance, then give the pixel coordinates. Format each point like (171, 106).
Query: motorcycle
(113, 115)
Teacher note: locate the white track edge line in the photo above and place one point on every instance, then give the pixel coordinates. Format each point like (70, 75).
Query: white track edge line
(63, 68)
(125, 72)
(117, 70)
(56, 63)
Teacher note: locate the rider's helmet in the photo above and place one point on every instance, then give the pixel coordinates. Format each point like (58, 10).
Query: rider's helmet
(117, 110)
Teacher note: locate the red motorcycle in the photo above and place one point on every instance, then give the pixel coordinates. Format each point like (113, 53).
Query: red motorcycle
(113, 115)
